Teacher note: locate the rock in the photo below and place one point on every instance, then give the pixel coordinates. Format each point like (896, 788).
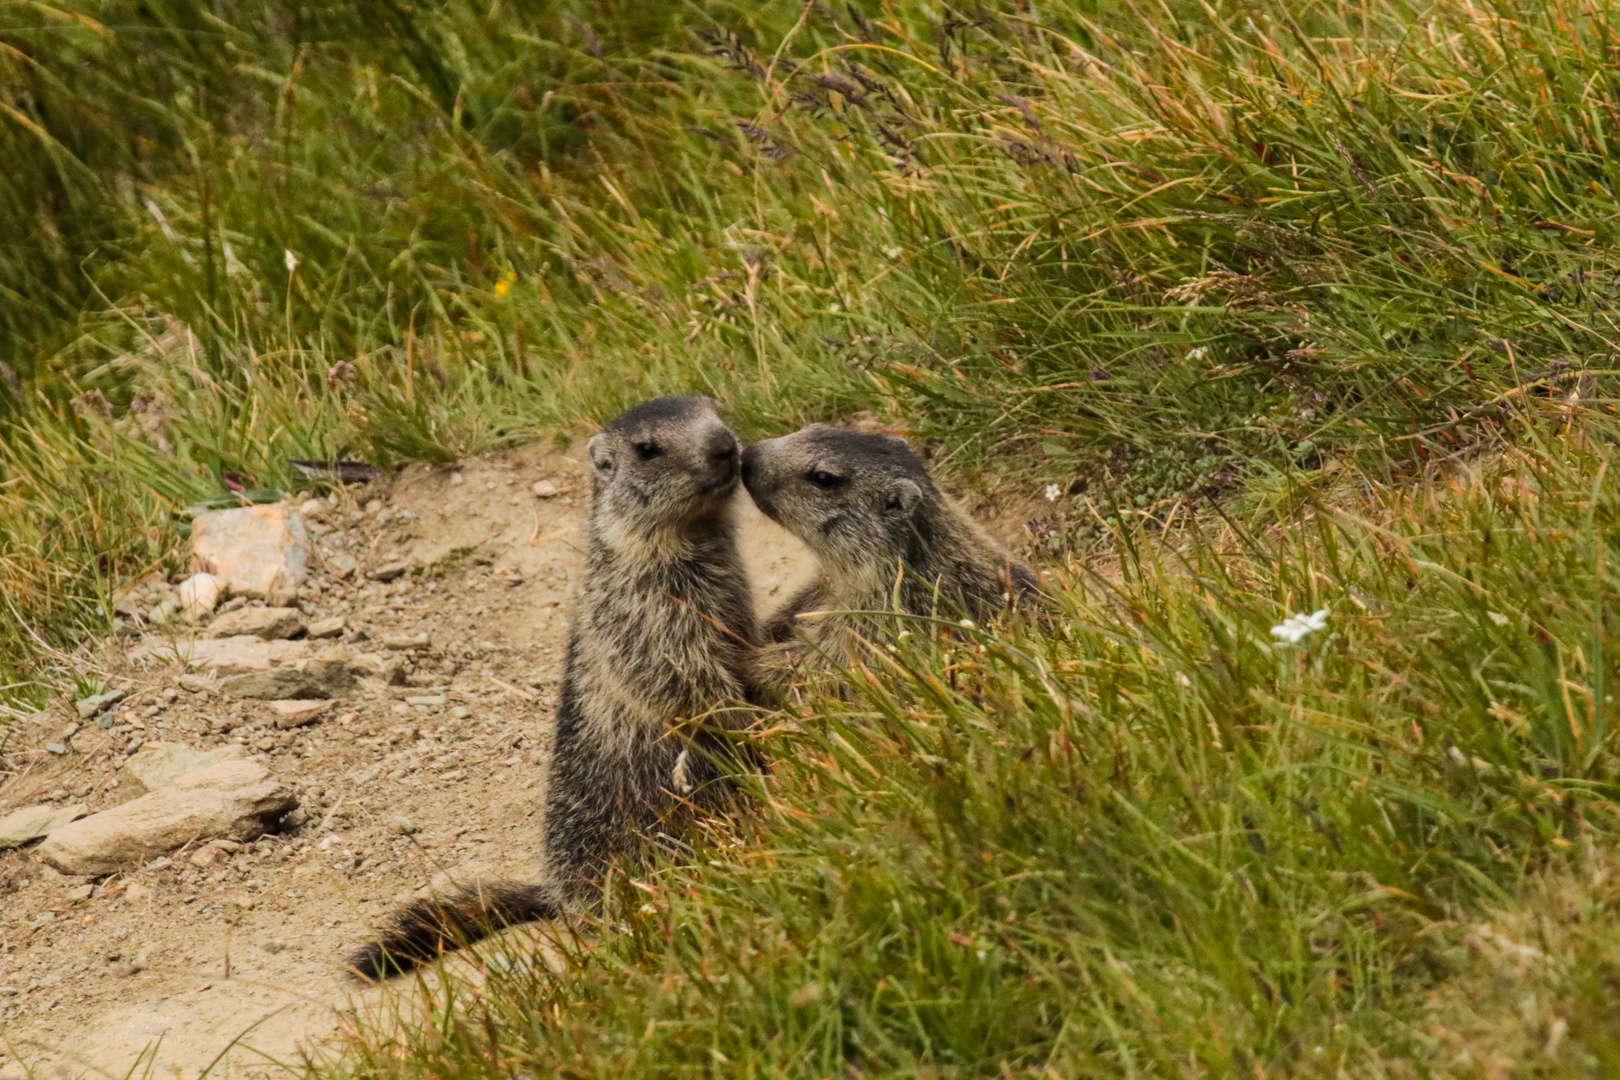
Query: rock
(291, 714)
(344, 566)
(35, 822)
(239, 655)
(314, 679)
(95, 703)
(328, 628)
(236, 800)
(545, 489)
(157, 764)
(199, 594)
(389, 571)
(270, 623)
(256, 550)
(376, 665)
(400, 642)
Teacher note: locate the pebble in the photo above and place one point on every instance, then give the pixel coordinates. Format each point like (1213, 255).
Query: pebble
(95, 703)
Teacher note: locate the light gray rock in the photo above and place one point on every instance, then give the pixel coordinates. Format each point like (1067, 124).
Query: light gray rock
(157, 764)
(35, 822)
(235, 800)
(291, 714)
(271, 623)
(314, 679)
(256, 550)
(328, 628)
(239, 655)
(199, 594)
(344, 566)
(95, 703)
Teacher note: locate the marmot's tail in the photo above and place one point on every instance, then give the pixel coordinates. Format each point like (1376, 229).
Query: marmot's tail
(424, 929)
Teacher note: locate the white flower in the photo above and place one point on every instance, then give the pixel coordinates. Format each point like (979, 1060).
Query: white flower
(291, 259)
(1295, 627)
(1200, 353)
(1052, 492)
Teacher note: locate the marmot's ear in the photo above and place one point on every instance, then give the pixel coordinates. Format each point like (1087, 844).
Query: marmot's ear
(598, 450)
(902, 497)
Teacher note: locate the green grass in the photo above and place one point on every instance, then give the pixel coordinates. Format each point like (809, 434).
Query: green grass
(1146, 839)
(1298, 304)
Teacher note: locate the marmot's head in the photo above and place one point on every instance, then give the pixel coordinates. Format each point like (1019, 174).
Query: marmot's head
(666, 464)
(851, 496)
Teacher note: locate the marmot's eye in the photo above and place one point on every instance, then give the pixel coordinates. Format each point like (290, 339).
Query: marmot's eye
(646, 451)
(824, 479)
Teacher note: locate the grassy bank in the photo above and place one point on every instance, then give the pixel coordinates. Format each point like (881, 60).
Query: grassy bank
(1149, 838)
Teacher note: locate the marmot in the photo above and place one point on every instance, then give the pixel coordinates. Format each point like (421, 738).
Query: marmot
(659, 664)
(866, 506)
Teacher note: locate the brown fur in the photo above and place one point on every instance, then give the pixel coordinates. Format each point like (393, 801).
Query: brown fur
(886, 538)
(659, 673)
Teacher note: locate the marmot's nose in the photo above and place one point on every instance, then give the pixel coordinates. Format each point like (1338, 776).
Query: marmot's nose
(722, 452)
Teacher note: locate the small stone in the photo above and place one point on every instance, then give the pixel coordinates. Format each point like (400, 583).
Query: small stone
(389, 571)
(95, 703)
(256, 550)
(199, 594)
(34, 823)
(291, 714)
(425, 700)
(234, 799)
(401, 642)
(328, 628)
(403, 826)
(268, 623)
(314, 679)
(545, 489)
(344, 566)
(56, 748)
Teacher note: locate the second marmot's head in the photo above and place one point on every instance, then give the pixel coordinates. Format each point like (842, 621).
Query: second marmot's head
(664, 464)
(851, 496)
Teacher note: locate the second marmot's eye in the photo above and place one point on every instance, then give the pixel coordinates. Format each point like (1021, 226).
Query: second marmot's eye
(646, 451)
(823, 479)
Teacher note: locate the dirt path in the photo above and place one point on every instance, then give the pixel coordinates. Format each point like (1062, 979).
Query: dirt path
(235, 955)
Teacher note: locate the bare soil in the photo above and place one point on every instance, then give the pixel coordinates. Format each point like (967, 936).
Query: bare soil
(229, 962)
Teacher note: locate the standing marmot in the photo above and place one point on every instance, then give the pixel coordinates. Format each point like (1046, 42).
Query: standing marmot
(660, 661)
(866, 506)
